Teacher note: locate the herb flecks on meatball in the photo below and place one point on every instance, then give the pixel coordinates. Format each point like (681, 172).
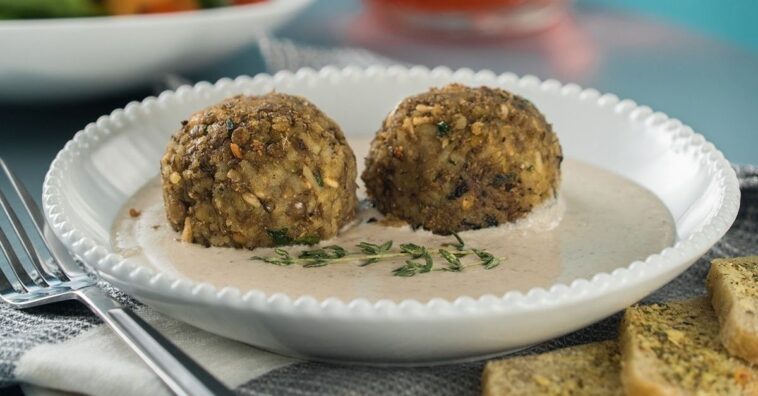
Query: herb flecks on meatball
(255, 171)
(459, 158)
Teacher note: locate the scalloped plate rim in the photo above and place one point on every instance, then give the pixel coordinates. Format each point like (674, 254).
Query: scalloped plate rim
(511, 302)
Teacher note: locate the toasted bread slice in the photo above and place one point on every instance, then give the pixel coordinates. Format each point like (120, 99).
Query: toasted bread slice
(591, 369)
(674, 349)
(733, 285)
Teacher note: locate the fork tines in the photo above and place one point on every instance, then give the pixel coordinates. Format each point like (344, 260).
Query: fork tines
(39, 265)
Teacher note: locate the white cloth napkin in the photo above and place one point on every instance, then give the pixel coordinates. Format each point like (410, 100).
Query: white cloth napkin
(98, 362)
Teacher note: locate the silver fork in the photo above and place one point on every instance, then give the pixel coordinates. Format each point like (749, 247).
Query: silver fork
(35, 281)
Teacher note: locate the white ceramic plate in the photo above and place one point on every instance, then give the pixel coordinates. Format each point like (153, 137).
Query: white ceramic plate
(109, 160)
(47, 59)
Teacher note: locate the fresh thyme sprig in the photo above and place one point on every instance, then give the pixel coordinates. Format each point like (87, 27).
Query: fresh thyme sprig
(411, 267)
(460, 245)
(488, 261)
(421, 258)
(373, 250)
(453, 262)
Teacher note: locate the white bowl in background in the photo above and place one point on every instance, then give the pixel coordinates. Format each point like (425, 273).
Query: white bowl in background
(110, 159)
(51, 59)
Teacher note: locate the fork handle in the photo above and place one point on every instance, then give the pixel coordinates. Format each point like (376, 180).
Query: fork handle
(177, 370)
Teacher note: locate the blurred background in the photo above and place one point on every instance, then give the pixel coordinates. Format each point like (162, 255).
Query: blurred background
(65, 65)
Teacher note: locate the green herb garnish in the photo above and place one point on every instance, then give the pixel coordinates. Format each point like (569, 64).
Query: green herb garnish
(488, 260)
(281, 238)
(459, 245)
(442, 129)
(371, 249)
(319, 179)
(229, 125)
(412, 249)
(282, 258)
(325, 253)
(420, 258)
(453, 262)
(412, 268)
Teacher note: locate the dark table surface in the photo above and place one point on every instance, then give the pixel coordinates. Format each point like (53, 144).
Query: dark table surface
(709, 84)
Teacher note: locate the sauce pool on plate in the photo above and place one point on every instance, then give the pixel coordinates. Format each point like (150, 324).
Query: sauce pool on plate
(600, 222)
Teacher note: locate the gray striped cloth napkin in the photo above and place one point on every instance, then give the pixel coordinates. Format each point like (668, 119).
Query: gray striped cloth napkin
(65, 349)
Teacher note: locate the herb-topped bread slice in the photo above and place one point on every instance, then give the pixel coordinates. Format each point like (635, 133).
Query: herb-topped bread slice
(591, 369)
(674, 349)
(733, 285)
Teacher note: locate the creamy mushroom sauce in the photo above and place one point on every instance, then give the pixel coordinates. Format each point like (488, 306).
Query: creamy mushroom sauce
(602, 221)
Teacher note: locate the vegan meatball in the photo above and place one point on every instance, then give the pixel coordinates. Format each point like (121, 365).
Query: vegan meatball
(459, 158)
(256, 171)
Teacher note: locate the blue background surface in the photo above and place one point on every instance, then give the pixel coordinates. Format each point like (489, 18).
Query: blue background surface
(730, 20)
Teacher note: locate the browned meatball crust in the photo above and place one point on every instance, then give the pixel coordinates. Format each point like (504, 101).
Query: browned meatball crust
(460, 158)
(256, 171)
